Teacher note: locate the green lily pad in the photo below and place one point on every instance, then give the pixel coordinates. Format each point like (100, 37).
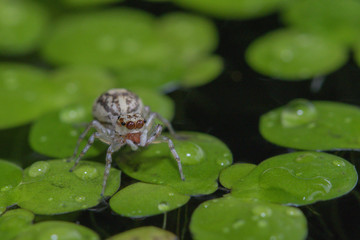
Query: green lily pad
(117, 38)
(145, 233)
(302, 124)
(231, 218)
(203, 71)
(155, 199)
(202, 156)
(339, 20)
(298, 178)
(189, 34)
(236, 9)
(57, 230)
(27, 94)
(22, 24)
(235, 173)
(292, 55)
(13, 222)
(48, 187)
(56, 134)
(10, 177)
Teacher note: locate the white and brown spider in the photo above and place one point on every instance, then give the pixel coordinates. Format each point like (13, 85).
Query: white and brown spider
(120, 118)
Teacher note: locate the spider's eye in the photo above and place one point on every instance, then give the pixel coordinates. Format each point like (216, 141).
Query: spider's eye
(130, 125)
(139, 123)
(121, 121)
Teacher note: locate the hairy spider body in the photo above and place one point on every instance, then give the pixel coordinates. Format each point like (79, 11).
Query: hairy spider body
(120, 118)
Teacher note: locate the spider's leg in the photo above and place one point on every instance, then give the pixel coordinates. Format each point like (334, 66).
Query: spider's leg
(112, 148)
(151, 116)
(156, 135)
(133, 146)
(94, 124)
(86, 148)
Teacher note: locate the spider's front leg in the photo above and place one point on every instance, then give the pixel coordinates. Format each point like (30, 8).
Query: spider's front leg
(112, 148)
(151, 116)
(157, 135)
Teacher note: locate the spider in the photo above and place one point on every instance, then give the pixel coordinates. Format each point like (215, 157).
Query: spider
(120, 118)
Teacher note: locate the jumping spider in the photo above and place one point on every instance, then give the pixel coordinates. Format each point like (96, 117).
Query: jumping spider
(120, 118)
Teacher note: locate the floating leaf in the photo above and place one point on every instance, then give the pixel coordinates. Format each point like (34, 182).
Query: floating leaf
(26, 92)
(298, 178)
(202, 156)
(145, 233)
(22, 24)
(10, 177)
(235, 173)
(291, 55)
(57, 230)
(48, 187)
(56, 134)
(155, 199)
(339, 20)
(231, 218)
(237, 9)
(304, 125)
(13, 222)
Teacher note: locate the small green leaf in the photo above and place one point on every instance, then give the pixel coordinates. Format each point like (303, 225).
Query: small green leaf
(22, 25)
(48, 187)
(57, 230)
(298, 178)
(233, 9)
(339, 20)
(230, 218)
(155, 199)
(56, 134)
(292, 55)
(145, 233)
(13, 222)
(203, 157)
(305, 125)
(235, 173)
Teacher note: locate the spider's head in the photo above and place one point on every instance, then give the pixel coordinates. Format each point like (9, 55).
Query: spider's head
(131, 123)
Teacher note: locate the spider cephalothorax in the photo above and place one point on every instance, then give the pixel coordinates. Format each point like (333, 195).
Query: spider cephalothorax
(120, 118)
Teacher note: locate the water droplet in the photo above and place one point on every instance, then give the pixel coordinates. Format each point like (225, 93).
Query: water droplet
(189, 153)
(86, 172)
(38, 168)
(306, 158)
(206, 206)
(72, 114)
(348, 120)
(239, 223)
(261, 211)
(262, 223)
(163, 206)
(171, 194)
(6, 188)
(298, 112)
(223, 162)
(43, 138)
(50, 199)
(80, 199)
(293, 212)
(226, 230)
(338, 163)
(286, 54)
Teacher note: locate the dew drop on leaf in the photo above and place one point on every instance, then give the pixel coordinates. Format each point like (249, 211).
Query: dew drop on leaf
(80, 198)
(38, 168)
(293, 212)
(86, 172)
(298, 112)
(190, 153)
(261, 211)
(338, 163)
(163, 206)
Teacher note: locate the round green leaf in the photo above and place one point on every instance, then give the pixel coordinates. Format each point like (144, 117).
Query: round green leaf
(190, 35)
(48, 187)
(13, 222)
(57, 230)
(339, 20)
(145, 233)
(291, 55)
(202, 156)
(155, 199)
(231, 218)
(10, 177)
(27, 94)
(117, 38)
(298, 178)
(56, 134)
(317, 125)
(237, 9)
(22, 24)
(235, 173)
(203, 71)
